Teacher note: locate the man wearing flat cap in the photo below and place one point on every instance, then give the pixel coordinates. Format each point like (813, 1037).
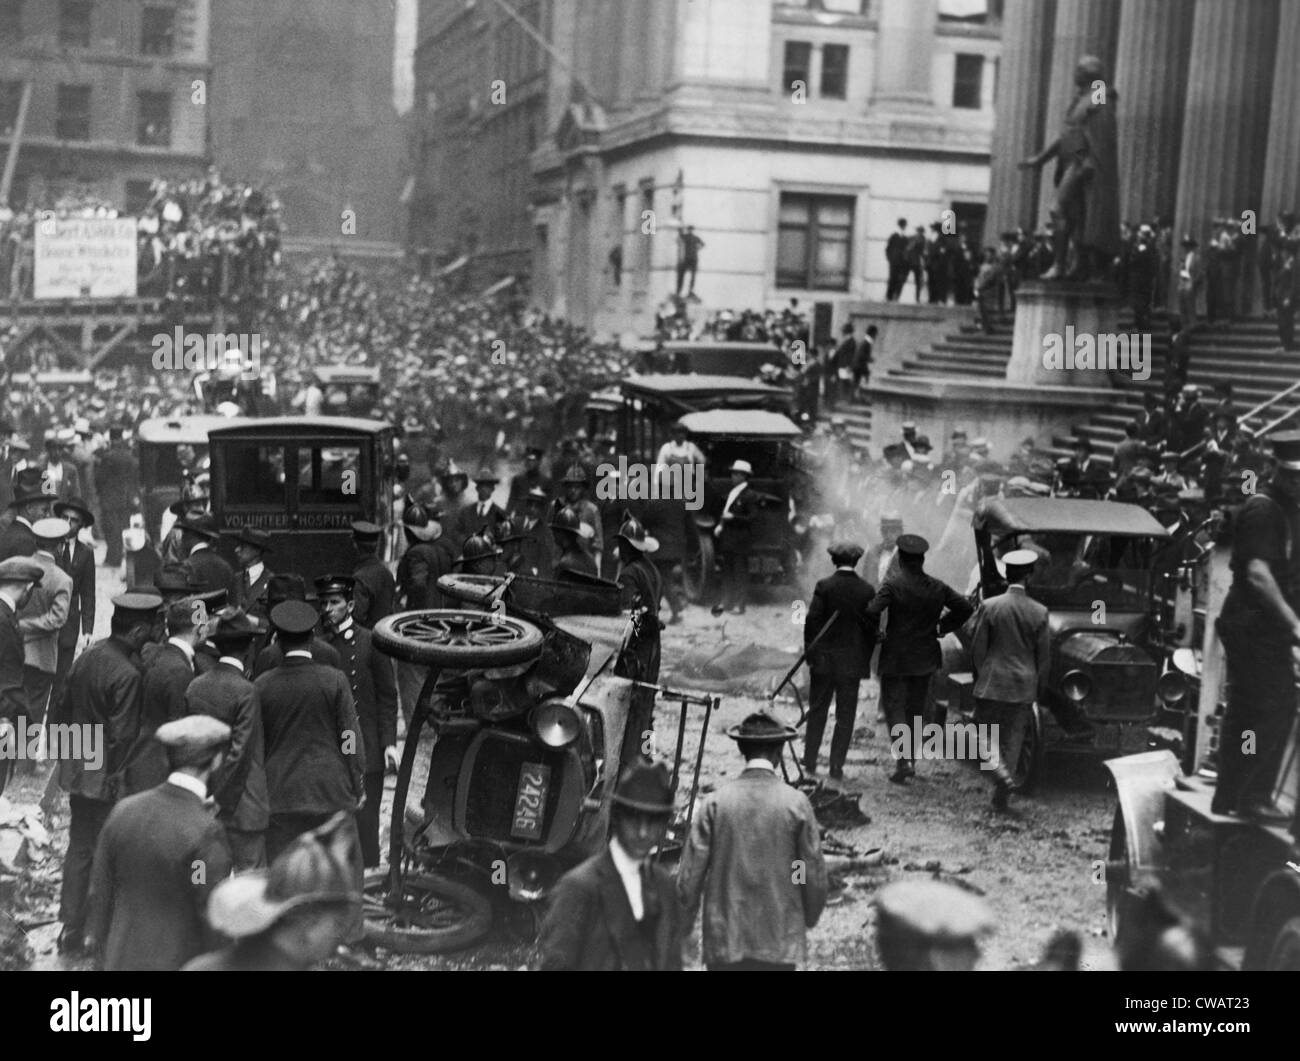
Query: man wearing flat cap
(224, 693)
(841, 658)
(1011, 650)
(921, 609)
(18, 580)
(103, 695)
(619, 910)
(159, 856)
(376, 589)
(754, 860)
(929, 925)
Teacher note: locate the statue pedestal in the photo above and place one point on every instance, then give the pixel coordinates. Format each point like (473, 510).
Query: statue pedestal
(1050, 316)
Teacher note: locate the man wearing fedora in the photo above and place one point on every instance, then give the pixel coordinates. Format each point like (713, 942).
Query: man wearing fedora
(754, 860)
(376, 589)
(734, 535)
(44, 616)
(61, 477)
(239, 786)
(619, 909)
(19, 577)
(103, 693)
(30, 503)
(199, 535)
(374, 691)
(251, 546)
(841, 659)
(77, 560)
(1259, 626)
(536, 546)
(921, 609)
(1011, 650)
(160, 854)
(484, 512)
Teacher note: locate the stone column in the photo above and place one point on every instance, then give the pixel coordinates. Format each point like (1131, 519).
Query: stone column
(1229, 84)
(904, 54)
(1018, 133)
(1282, 162)
(1083, 27)
(1155, 38)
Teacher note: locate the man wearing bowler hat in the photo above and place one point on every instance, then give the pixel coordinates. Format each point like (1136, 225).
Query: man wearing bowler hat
(376, 589)
(30, 503)
(619, 910)
(921, 610)
(374, 691)
(1260, 629)
(1011, 651)
(754, 860)
(841, 659)
(77, 560)
(160, 855)
(102, 696)
(734, 535)
(19, 577)
(251, 546)
(224, 693)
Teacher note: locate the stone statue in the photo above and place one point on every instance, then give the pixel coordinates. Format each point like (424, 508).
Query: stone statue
(1085, 217)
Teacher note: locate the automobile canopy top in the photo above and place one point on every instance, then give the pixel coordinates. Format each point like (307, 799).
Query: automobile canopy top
(295, 427)
(1064, 515)
(743, 423)
(185, 430)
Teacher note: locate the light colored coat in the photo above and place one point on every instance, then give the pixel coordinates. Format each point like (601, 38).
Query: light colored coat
(754, 857)
(1011, 647)
(43, 617)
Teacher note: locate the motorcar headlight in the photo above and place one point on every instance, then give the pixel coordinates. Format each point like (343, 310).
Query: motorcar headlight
(1171, 688)
(555, 723)
(1076, 686)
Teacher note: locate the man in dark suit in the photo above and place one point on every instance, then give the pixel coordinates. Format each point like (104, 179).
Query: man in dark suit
(1011, 650)
(251, 546)
(536, 551)
(167, 673)
(315, 755)
(19, 577)
(841, 659)
(159, 856)
(239, 786)
(78, 561)
(102, 695)
(528, 479)
(618, 910)
(374, 691)
(882, 559)
(117, 483)
(376, 589)
(199, 535)
(734, 535)
(921, 610)
(896, 256)
(30, 503)
(484, 512)
(267, 650)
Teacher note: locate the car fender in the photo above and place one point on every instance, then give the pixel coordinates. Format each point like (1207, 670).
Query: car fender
(1278, 899)
(1141, 782)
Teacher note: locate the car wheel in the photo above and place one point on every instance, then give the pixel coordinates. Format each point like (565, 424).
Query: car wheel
(697, 568)
(434, 914)
(1119, 875)
(446, 637)
(1025, 775)
(473, 589)
(1284, 955)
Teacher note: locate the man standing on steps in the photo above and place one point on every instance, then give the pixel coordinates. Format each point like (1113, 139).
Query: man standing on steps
(896, 256)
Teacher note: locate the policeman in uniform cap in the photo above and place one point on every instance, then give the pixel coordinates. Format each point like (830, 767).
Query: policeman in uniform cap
(929, 925)
(146, 899)
(376, 589)
(841, 658)
(619, 909)
(19, 577)
(921, 610)
(267, 652)
(370, 675)
(1259, 625)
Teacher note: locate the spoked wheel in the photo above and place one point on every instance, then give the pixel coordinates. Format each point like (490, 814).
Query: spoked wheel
(1025, 775)
(1119, 876)
(473, 589)
(697, 566)
(432, 915)
(460, 639)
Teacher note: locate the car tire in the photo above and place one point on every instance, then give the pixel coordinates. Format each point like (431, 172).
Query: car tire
(447, 637)
(1024, 778)
(1284, 953)
(438, 915)
(1119, 899)
(698, 566)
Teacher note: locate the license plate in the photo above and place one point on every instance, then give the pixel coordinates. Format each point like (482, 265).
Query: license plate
(530, 801)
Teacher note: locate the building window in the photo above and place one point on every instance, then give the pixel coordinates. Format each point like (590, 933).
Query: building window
(11, 20)
(646, 231)
(158, 31)
(11, 94)
(798, 63)
(968, 83)
(154, 128)
(74, 23)
(835, 71)
(846, 7)
(73, 119)
(813, 241)
(971, 12)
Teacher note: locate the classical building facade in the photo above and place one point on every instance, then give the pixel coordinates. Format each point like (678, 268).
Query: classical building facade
(791, 136)
(114, 95)
(1205, 93)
